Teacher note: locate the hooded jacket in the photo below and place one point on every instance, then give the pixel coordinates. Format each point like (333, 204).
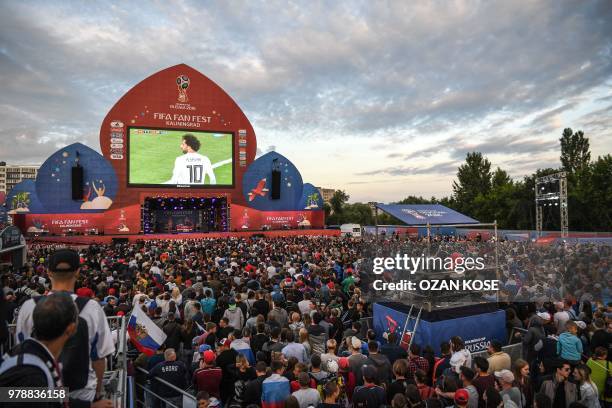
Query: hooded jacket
(569, 347)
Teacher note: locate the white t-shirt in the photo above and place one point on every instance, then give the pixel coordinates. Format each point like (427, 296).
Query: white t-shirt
(192, 168)
(100, 337)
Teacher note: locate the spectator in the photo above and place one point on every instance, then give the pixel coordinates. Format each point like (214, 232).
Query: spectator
(425, 391)
(173, 372)
(601, 369)
(505, 383)
(589, 395)
(226, 360)
(444, 362)
(498, 359)
(275, 389)
(460, 355)
(415, 361)
(467, 377)
(400, 382)
(483, 379)
(208, 376)
(369, 395)
(84, 357)
(523, 380)
(331, 393)
(252, 393)
(330, 355)
(320, 376)
(569, 346)
(54, 321)
(392, 350)
(560, 317)
(293, 349)
(202, 399)
(234, 315)
(356, 360)
(242, 347)
(560, 391)
(380, 362)
(306, 396)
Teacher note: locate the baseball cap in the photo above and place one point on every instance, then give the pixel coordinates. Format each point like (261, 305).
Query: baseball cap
(355, 342)
(505, 375)
(462, 396)
(64, 256)
(208, 356)
(544, 316)
(332, 366)
(203, 348)
(343, 363)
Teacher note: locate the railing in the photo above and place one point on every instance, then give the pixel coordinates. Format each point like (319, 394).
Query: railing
(188, 400)
(515, 351)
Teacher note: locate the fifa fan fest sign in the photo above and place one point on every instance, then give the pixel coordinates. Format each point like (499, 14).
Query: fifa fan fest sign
(175, 134)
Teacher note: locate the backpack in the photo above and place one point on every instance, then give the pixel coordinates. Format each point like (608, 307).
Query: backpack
(22, 359)
(75, 355)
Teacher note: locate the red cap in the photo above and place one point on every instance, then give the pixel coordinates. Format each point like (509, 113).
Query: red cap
(462, 396)
(112, 291)
(208, 356)
(343, 363)
(120, 313)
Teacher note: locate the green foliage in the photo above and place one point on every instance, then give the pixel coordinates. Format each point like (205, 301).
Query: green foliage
(489, 196)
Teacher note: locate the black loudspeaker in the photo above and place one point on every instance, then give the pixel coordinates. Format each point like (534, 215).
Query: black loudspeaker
(276, 184)
(77, 183)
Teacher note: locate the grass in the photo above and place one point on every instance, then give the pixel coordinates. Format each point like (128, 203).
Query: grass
(152, 155)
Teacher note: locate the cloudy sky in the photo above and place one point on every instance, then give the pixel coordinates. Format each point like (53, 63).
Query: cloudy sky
(379, 99)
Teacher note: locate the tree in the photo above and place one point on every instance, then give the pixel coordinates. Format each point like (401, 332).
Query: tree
(575, 153)
(338, 200)
(500, 178)
(473, 178)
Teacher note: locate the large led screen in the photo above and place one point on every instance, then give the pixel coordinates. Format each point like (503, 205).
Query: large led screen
(180, 158)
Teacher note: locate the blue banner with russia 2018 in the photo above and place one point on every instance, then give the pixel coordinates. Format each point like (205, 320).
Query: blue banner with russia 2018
(476, 329)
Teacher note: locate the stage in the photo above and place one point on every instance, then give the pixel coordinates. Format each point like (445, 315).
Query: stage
(107, 239)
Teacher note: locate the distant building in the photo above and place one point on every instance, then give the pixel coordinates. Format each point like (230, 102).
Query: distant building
(13, 174)
(326, 193)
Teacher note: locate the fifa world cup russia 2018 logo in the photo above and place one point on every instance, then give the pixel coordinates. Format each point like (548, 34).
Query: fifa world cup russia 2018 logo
(182, 82)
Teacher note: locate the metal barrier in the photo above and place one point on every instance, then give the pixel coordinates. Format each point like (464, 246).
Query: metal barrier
(515, 351)
(187, 399)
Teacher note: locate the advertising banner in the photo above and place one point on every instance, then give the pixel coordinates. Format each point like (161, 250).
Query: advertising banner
(477, 330)
(244, 219)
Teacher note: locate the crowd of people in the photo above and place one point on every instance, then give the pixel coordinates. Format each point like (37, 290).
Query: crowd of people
(283, 322)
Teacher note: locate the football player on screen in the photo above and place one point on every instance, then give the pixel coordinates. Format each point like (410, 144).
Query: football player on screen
(191, 167)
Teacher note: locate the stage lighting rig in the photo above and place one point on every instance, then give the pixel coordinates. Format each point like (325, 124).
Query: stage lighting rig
(552, 190)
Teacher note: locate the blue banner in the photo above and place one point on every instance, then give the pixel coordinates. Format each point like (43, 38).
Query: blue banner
(477, 331)
(422, 214)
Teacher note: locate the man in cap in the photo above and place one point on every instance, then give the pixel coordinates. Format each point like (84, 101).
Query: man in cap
(63, 270)
(208, 376)
(461, 398)
(505, 385)
(356, 359)
(234, 315)
(226, 360)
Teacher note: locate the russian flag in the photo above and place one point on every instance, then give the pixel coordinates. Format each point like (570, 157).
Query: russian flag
(145, 334)
(274, 391)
